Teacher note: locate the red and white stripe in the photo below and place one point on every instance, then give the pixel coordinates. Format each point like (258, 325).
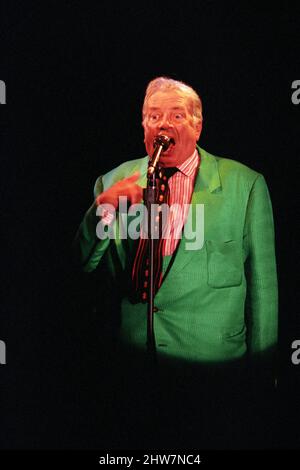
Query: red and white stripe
(181, 186)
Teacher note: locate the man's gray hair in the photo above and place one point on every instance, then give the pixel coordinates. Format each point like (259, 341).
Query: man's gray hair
(168, 84)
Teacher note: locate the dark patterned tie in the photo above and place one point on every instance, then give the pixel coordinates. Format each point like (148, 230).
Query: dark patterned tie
(140, 270)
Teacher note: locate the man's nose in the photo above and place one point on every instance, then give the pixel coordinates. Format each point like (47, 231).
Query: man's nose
(164, 123)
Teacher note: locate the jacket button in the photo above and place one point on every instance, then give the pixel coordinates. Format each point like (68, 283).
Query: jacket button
(155, 309)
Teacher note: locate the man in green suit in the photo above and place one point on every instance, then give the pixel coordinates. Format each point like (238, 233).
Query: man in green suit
(217, 304)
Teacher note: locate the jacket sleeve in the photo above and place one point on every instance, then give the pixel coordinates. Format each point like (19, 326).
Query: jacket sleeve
(87, 247)
(262, 297)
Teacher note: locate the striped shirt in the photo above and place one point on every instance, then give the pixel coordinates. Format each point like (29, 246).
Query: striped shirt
(181, 186)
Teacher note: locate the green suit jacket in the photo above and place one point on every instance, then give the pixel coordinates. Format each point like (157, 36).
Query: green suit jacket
(217, 303)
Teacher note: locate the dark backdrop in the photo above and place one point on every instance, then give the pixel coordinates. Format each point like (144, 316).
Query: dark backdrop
(75, 74)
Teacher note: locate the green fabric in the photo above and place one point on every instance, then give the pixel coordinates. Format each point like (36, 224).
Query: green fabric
(216, 303)
(166, 261)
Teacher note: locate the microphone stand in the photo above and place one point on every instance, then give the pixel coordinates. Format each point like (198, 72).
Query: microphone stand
(161, 142)
(150, 198)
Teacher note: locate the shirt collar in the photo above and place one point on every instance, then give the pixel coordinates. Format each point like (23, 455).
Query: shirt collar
(188, 167)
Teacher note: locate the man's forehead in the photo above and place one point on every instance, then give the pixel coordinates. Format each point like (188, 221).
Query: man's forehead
(175, 108)
(171, 99)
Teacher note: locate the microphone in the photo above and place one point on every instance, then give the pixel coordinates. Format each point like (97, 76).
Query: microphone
(161, 142)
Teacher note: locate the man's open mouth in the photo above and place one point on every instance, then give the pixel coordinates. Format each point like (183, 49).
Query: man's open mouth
(170, 147)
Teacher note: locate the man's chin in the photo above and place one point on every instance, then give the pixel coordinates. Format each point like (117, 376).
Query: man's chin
(167, 159)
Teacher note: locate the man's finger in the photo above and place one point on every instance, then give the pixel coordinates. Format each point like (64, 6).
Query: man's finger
(134, 177)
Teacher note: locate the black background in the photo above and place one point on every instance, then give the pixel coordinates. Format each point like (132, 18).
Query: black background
(76, 74)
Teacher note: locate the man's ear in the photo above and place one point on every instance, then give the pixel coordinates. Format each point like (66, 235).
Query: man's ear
(198, 130)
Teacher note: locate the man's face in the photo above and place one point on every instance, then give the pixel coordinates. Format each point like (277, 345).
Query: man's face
(168, 113)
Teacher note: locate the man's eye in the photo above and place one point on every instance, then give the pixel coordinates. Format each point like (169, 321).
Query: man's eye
(178, 116)
(154, 117)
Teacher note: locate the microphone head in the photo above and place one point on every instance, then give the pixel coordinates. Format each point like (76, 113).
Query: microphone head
(163, 140)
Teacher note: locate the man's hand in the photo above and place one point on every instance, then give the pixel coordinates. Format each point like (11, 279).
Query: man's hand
(126, 187)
